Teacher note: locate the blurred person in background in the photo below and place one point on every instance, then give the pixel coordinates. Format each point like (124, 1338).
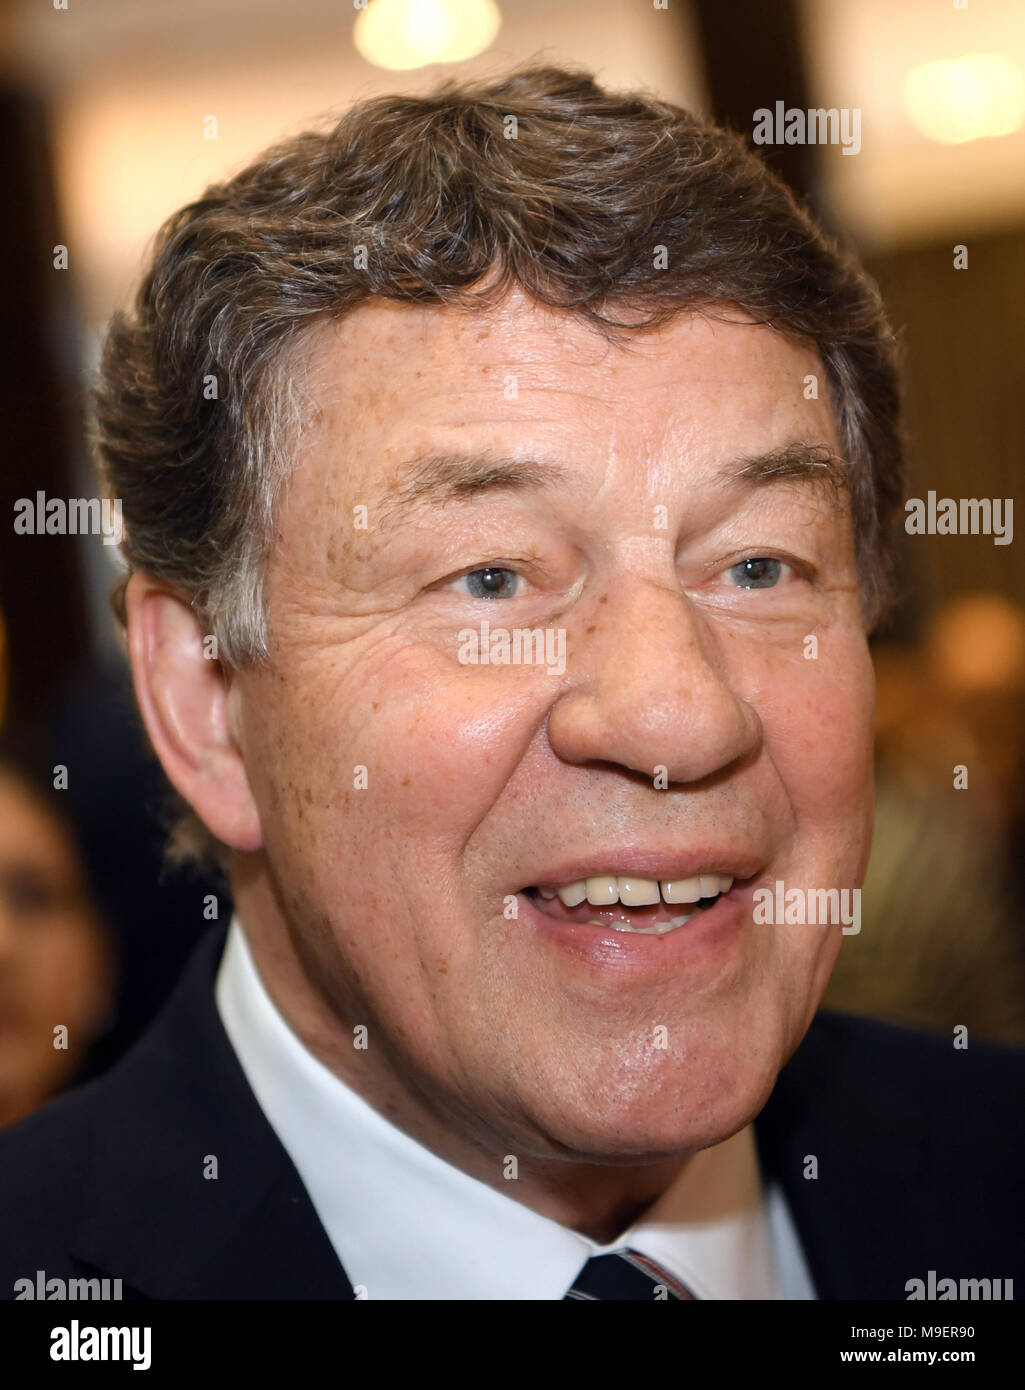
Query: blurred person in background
(974, 653)
(943, 943)
(56, 963)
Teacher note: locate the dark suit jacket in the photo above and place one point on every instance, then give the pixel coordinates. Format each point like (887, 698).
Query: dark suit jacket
(919, 1152)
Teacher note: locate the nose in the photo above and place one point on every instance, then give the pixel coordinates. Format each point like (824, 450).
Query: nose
(650, 688)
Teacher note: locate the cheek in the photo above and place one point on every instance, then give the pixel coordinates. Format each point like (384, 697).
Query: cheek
(412, 742)
(818, 723)
(65, 978)
(817, 718)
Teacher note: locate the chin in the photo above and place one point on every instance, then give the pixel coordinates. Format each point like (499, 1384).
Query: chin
(636, 1123)
(631, 1141)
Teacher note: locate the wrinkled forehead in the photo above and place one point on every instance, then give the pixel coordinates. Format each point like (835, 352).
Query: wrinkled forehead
(401, 393)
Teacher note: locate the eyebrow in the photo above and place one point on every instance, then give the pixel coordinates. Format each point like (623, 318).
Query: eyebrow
(436, 478)
(807, 463)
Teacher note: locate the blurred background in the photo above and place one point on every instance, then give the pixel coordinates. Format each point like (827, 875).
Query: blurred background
(115, 113)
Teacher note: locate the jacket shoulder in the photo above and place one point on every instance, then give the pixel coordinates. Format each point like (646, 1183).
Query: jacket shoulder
(899, 1153)
(44, 1164)
(948, 1071)
(877, 1084)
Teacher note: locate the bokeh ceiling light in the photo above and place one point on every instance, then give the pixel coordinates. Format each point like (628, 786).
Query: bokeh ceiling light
(961, 99)
(402, 34)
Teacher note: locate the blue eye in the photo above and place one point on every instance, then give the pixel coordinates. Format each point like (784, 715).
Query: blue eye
(760, 572)
(491, 583)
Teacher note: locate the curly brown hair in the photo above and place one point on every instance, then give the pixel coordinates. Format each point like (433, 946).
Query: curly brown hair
(540, 179)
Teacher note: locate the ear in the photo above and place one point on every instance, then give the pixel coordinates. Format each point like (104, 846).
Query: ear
(183, 696)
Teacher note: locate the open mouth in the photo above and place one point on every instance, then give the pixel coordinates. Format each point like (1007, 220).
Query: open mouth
(627, 903)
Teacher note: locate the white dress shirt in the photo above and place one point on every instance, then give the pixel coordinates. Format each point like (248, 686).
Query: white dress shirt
(406, 1224)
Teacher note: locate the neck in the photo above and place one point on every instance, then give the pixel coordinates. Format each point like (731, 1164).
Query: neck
(598, 1199)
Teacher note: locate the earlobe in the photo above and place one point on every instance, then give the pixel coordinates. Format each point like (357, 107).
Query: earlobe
(184, 699)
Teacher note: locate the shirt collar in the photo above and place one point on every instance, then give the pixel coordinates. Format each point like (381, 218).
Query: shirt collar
(406, 1224)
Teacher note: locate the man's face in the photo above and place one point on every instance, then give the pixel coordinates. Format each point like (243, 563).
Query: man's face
(414, 800)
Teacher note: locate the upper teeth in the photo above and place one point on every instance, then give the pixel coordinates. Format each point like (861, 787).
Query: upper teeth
(604, 890)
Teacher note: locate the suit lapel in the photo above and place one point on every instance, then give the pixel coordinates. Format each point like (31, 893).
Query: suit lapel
(851, 1157)
(191, 1193)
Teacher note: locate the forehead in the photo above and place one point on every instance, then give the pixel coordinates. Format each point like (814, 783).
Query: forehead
(392, 380)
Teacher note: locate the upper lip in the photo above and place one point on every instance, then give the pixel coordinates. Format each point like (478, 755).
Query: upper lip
(664, 866)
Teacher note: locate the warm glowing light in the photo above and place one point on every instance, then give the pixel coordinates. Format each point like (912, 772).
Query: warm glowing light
(966, 98)
(401, 34)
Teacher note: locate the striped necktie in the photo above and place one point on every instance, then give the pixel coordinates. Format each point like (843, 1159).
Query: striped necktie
(626, 1275)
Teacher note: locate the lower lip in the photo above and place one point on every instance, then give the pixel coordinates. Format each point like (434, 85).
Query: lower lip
(707, 937)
